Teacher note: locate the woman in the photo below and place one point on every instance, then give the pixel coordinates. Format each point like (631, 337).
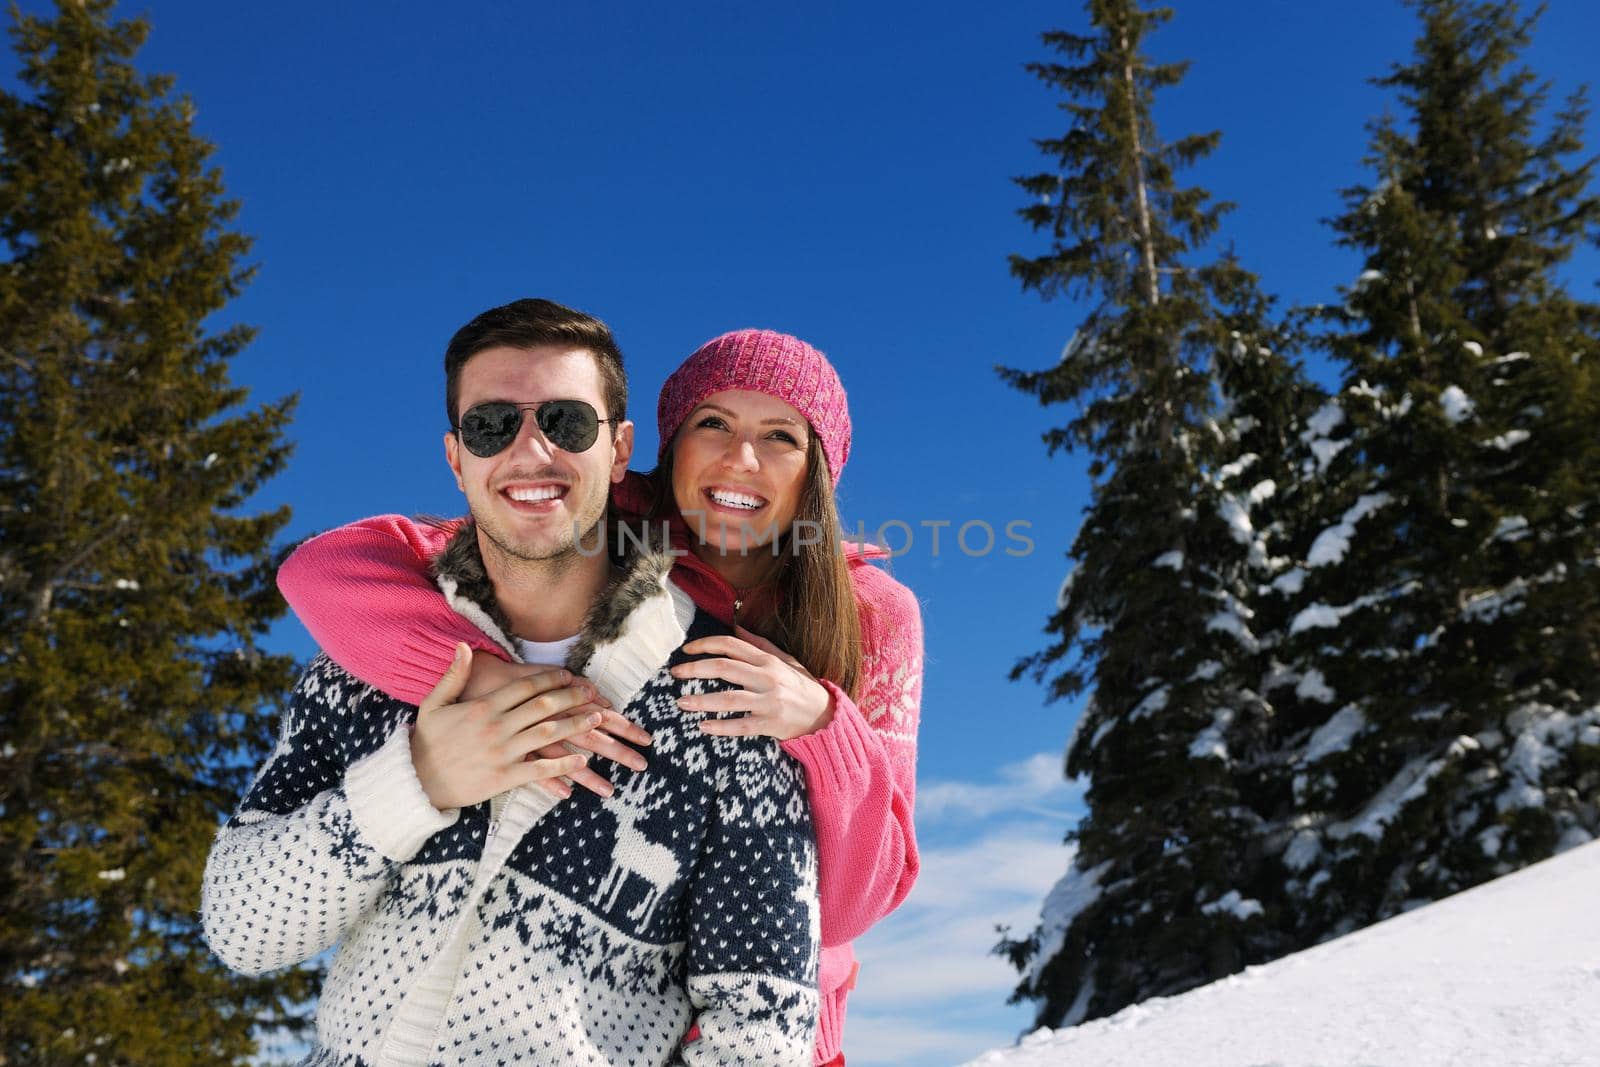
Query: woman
(828, 654)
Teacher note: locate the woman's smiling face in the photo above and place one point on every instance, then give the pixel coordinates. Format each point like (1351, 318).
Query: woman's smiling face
(738, 470)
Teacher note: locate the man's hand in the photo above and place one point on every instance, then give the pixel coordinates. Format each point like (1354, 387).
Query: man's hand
(470, 751)
(490, 673)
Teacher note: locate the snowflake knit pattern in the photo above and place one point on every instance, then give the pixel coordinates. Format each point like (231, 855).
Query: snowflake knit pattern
(530, 930)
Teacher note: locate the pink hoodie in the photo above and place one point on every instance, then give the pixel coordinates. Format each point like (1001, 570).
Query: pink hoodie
(364, 594)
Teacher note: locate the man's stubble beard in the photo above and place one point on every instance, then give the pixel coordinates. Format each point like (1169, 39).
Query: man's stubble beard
(554, 559)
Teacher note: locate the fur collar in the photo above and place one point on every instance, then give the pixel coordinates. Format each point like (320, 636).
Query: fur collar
(639, 602)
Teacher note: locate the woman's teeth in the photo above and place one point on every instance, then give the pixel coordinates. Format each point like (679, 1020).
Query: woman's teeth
(737, 500)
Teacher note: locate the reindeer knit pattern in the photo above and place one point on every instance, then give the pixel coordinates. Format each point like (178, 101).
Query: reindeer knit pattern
(528, 930)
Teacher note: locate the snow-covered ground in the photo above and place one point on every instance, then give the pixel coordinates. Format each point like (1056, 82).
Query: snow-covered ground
(1504, 975)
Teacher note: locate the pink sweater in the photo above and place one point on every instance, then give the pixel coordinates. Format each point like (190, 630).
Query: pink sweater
(364, 594)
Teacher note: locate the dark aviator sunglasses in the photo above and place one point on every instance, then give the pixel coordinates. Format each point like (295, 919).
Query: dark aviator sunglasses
(488, 429)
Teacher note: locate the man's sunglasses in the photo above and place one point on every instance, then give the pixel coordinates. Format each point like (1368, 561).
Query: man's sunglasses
(488, 429)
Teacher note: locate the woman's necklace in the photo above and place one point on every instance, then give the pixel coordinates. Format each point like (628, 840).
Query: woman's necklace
(743, 593)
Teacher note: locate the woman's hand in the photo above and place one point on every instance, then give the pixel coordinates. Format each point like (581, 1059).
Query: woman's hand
(490, 673)
(783, 699)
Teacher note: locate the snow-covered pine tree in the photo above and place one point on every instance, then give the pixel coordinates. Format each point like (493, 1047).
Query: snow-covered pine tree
(133, 582)
(1162, 893)
(1451, 601)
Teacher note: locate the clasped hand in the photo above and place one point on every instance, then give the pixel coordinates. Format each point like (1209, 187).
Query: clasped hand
(481, 732)
(783, 699)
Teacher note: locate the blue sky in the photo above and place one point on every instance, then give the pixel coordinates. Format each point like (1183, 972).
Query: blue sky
(837, 171)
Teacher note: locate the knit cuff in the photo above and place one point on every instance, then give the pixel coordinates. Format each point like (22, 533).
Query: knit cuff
(388, 803)
(840, 757)
(419, 659)
(830, 1026)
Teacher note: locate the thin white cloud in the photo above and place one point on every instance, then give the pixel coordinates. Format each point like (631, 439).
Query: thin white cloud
(914, 1038)
(1034, 786)
(939, 944)
(931, 990)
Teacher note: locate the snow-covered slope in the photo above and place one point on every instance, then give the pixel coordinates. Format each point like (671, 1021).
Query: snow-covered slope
(1504, 975)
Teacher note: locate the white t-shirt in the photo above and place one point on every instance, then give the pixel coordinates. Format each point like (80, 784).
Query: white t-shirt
(550, 653)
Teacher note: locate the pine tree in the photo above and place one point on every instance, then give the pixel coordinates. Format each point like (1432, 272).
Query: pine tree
(135, 581)
(1163, 891)
(1451, 600)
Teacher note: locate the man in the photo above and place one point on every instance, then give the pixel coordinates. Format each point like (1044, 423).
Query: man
(483, 911)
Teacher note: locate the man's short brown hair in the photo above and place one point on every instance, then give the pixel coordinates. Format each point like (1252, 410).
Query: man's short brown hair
(526, 324)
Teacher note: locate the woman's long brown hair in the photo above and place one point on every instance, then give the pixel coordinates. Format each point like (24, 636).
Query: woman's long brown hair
(816, 618)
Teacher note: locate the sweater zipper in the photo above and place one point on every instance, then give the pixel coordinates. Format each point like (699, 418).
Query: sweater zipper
(737, 604)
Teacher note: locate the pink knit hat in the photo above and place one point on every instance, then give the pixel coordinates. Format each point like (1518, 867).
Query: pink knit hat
(762, 361)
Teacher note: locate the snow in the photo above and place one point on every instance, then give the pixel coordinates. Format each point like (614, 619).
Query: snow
(1230, 622)
(1279, 675)
(1332, 544)
(1317, 615)
(1066, 900)
(1510, 528)
(1324, 615)
(1173, 559)
(1376, 393)
(1100, 732)
(1238, 519)
(1336, 734)
(1237, 467)
(1234, 905)
(1152, 703)
(1508, 440)
(1290, 581)
(1574, 837)
(1403, 788)
(1545, 736)
(1328, 418)
(1302, 851)
(1080, 1006)
(1263, 490)
(1519, 795)
(1512, 357)
(1313, 686)
(1210, 743)
(1457, 404)
(1485, 607)
(1474, 347)
(116, 874)
(1503, 975)
(1325, 450)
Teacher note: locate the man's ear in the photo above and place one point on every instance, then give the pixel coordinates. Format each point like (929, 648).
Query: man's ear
(452, 456)
(621, 450)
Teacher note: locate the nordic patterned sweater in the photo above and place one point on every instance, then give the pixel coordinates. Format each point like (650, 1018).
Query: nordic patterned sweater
(530, 930)
(366, 594)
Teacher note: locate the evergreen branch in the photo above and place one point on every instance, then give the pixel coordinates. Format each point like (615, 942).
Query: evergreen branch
(42, 592)
(24, 365)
